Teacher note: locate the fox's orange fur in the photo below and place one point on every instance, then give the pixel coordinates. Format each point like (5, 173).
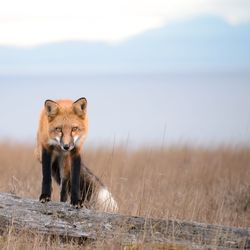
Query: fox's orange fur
(63, 127)
(67, 118)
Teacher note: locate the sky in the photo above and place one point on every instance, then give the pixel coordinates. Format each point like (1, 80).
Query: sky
(30, 23)
(155, 72)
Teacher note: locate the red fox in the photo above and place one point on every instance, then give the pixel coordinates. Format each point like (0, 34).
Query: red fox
(63, 127)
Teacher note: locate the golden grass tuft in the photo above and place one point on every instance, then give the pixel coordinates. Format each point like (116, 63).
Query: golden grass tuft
(189, 183)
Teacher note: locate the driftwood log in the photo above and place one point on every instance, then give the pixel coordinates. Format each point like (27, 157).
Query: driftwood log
(59, 219)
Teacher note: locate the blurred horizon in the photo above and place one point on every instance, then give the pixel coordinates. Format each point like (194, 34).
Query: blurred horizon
(149, 110)
(154, 72)
(194, 45)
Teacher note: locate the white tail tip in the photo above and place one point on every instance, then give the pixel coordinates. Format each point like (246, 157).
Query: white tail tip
(106, 202)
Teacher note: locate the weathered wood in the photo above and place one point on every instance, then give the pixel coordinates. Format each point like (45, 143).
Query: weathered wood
(61, 220)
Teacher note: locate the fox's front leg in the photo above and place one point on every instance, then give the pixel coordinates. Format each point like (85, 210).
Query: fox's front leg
(46, 171)
(75, 181)
(64, 189)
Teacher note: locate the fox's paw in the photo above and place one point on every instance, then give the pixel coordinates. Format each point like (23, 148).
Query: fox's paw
(76, 204)
(44, 198)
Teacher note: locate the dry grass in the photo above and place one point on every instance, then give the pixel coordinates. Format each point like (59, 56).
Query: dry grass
(198, 184)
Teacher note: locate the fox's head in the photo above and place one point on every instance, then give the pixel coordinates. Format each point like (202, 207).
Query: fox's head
(67, 123)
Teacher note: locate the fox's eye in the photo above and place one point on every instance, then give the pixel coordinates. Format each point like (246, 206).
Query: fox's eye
(74, 129)
(58, 129)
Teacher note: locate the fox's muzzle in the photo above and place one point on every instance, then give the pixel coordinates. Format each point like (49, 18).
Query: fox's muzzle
(67, 147)
(67, 144)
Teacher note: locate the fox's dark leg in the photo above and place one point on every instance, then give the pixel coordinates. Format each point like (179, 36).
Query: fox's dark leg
(55, 170)
(46, 171)
(75, 181)
(64, 190)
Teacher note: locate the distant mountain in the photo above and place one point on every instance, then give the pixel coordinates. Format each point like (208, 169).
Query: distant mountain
(200, 43)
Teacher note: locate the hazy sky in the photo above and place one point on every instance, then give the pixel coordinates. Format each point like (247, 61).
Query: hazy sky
(29, 22)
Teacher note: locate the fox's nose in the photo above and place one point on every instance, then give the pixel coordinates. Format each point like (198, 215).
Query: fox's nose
(66, 146)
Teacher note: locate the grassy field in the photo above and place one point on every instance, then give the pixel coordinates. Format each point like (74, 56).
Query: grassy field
(190, 183)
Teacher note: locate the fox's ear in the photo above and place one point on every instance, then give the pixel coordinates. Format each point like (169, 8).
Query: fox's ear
(80, 106)
(51, 108)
